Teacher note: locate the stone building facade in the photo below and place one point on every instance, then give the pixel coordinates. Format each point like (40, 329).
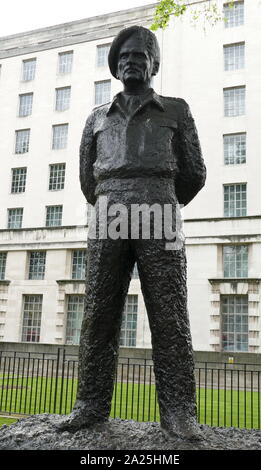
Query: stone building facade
(50, 80)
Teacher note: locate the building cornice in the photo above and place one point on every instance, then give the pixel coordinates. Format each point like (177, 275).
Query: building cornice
(64, 237)
(222, 219)
(75, 32)
(44, 238)
(28, 229)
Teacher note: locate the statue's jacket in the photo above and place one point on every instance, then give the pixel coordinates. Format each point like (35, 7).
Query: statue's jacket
(159, 140)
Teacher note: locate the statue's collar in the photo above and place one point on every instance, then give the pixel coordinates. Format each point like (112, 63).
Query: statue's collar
(149, 97)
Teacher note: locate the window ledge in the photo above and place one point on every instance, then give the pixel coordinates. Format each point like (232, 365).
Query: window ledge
(235, 279)
(70, 281)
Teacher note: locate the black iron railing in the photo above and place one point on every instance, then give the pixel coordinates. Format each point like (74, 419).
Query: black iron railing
(33, 383)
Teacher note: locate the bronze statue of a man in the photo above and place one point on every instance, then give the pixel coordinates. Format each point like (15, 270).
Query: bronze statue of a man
(140, 149)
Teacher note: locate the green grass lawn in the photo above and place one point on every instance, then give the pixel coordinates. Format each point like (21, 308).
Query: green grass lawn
(7, 421)
(26, 395)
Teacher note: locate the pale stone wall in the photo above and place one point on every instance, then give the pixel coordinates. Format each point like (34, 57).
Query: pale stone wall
(191, 68)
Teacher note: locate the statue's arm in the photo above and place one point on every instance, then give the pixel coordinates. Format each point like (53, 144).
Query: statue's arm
(191, 168)
(87, 159)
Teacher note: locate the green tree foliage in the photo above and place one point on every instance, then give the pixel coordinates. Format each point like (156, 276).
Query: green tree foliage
(210, 12)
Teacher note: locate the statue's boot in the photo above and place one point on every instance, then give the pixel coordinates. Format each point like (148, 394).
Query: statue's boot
(80, 417)
(182, 427)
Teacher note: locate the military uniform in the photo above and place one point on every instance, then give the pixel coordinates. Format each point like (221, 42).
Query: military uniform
(143, 151)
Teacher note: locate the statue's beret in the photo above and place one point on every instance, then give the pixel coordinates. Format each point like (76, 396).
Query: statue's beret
(148, 37)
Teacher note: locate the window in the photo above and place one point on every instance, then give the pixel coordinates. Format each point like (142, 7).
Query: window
(234, 149)
(37, 265)
(60, 134)
(18, 180)
(235, 261)
(235, 200)
(25, 104)
(54, 216)
(62, 98)
(234, 15)
(32, 313)
(129, 322)
(102, 92)
(234, 101)
(29, 67)
(22, 138)
(56, 176)
(135, 274)
(79, 264)
(3, 256)
(102, 55)
(65, 60)
(15, 218)
(75, 309)
(234, 56)
(234, 311)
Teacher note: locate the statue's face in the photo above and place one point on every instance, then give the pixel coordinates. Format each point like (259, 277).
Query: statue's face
(134, 62)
